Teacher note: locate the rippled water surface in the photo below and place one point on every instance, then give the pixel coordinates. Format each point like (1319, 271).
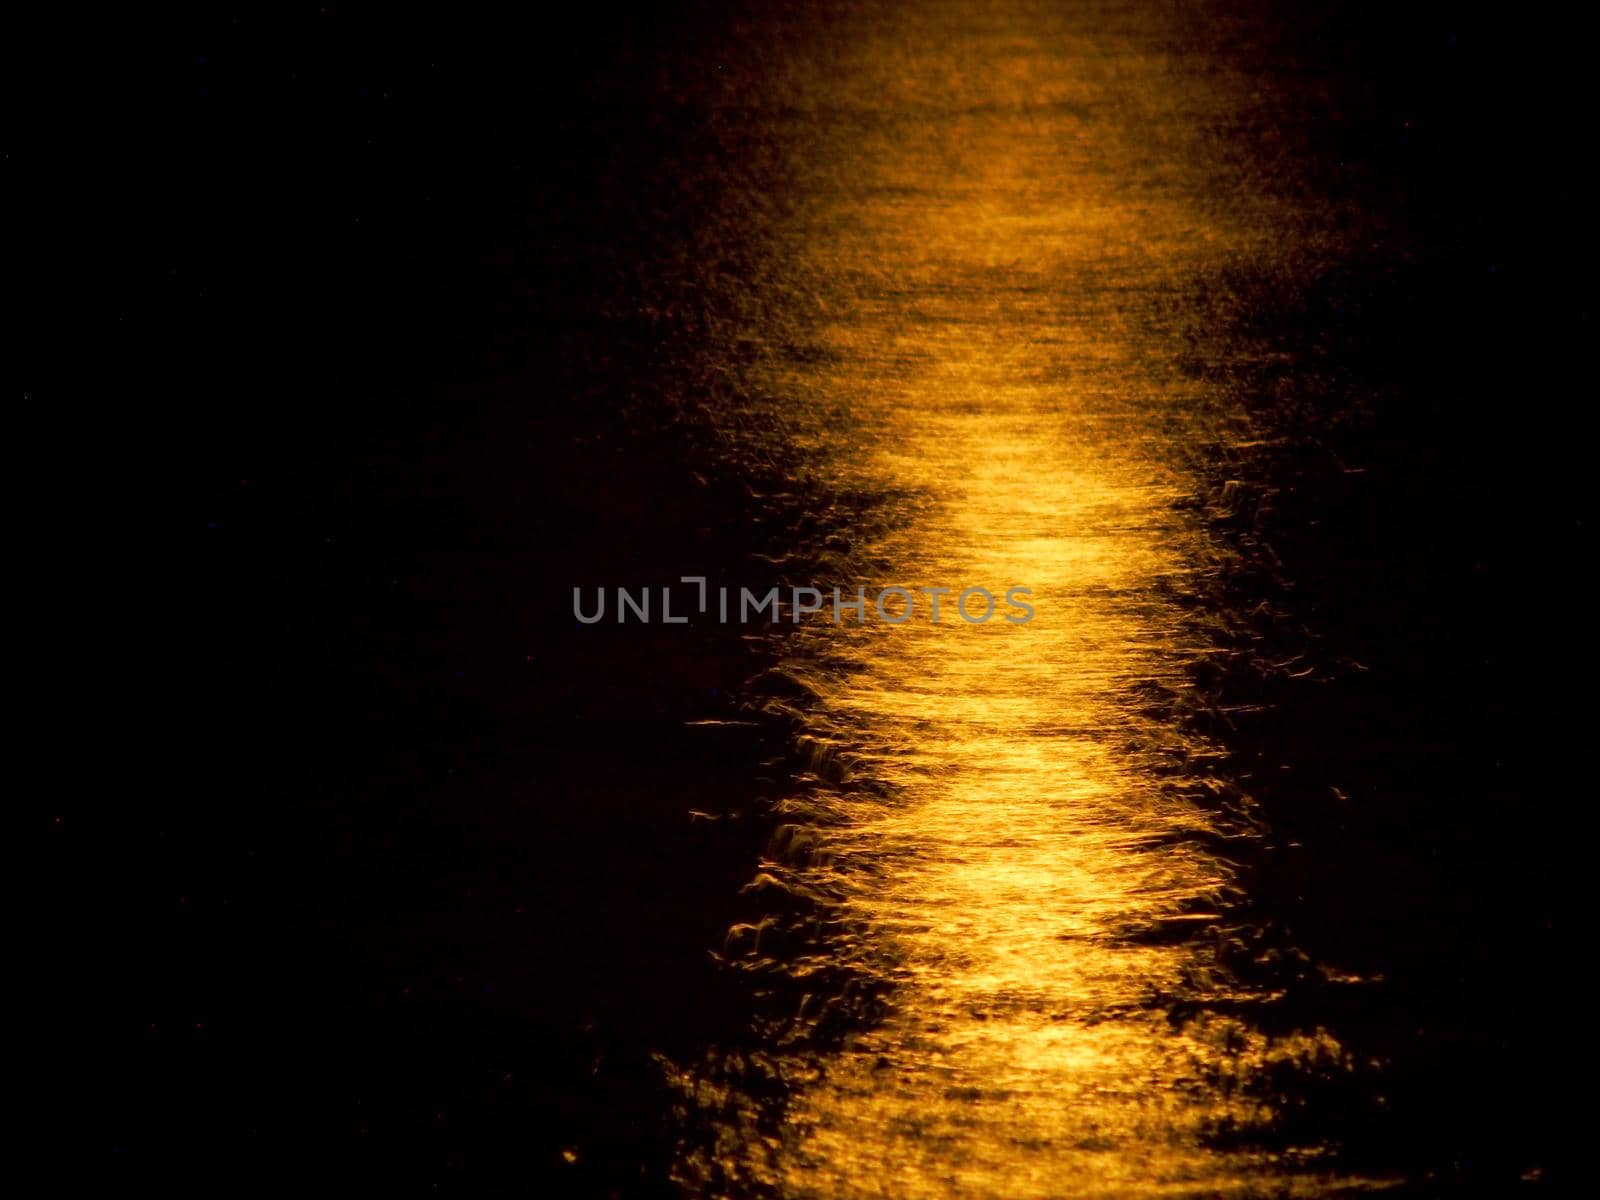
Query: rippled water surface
(1225, 329)
(967, 300)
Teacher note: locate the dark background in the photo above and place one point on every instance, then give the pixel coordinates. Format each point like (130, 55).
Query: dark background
(360, 865)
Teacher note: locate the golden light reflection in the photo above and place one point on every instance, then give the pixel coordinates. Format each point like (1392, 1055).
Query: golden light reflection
(992, 207)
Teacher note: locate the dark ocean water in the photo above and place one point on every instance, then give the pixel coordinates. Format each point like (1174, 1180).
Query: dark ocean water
(1229, 330)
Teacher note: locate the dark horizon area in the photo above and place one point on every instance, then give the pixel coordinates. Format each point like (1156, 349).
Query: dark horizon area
(1231, 330)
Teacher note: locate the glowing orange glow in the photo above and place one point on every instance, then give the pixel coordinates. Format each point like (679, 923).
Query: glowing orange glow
(989, 215)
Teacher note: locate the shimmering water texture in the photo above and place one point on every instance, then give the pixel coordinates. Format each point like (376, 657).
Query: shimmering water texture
(994, 927)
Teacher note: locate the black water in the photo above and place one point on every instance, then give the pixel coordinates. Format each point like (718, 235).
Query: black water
(399, 889)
